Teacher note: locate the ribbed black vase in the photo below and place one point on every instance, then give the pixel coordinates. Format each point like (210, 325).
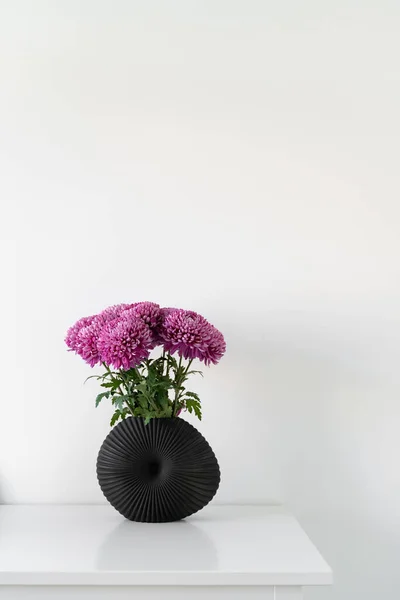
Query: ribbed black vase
(159, 472)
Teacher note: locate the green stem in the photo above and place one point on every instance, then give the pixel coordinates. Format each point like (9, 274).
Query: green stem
(177, 386)
(153, 404)
(113, 379)
(183, 379)
(130, 408)
(124, 383)
(187, 369)
(166, 359)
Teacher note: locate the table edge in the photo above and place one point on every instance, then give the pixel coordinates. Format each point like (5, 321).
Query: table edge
(190, 579)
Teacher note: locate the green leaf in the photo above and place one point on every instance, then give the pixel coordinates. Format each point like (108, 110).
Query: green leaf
(100, 397)
(197, 411)
(163, 401)
(142, 387)
(110, 384)
(149, 416)
(195, 372)
(119, 401)
(194, 406)
(192, 395)
(173, 362)
(92, 377)
(115, 418)
(143, 401)
(168, 412)
(130, 376)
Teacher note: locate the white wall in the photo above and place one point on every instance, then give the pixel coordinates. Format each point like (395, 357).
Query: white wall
(236, 158)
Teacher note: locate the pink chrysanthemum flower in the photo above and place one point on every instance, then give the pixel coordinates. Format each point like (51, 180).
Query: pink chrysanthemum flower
(216, 348)
(86, 341)
(83, 336)
(124, 343)
(73, 332)
(166, 310)
(115, 311)
(192, 336)
(148, 312)
(157, 332)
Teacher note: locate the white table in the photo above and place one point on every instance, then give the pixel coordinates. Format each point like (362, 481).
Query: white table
(91, 552)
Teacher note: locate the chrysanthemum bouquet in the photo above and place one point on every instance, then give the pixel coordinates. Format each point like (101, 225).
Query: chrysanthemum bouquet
(121, 339)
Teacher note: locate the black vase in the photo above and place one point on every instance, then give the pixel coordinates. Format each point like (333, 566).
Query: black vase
(159, 472)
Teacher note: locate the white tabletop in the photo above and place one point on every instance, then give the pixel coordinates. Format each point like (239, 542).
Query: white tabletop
(94, 545)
